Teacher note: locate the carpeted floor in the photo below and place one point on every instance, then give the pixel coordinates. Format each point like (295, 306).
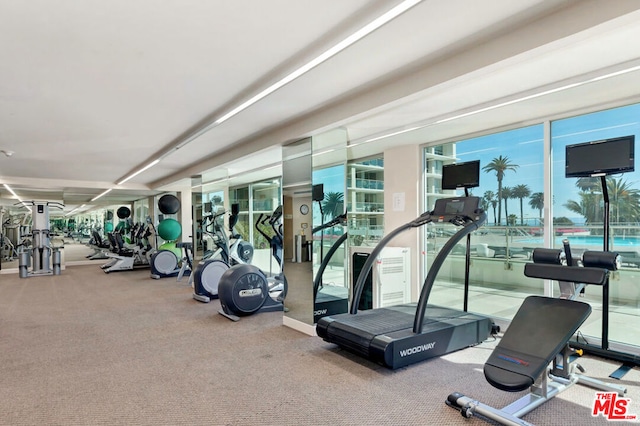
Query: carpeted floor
(85, 348)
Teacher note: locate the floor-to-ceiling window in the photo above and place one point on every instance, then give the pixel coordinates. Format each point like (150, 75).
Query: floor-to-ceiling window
(578, 213)
(511, 187)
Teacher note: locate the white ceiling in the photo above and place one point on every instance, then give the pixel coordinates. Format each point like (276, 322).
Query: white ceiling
(91, 91)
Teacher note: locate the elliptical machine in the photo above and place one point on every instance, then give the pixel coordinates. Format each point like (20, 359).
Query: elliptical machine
(207, 275)
(215, 263)
(240, 251)
(245, 289)
(277, 282)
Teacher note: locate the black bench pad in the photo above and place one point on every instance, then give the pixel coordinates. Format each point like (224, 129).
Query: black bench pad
(538, 332)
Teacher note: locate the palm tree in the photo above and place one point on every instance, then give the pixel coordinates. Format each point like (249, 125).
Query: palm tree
(625, 203)
(500, 165)
(588, 184)
(332, 205)
(536, 201)
(520, 192)
(507, 193)
(490, 198)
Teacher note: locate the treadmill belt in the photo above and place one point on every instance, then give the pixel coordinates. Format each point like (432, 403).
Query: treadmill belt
(378, 321)
(386, 334)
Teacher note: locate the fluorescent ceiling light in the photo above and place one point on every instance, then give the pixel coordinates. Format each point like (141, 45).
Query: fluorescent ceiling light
(11, 191)
(76, 209)
(102, 195)
(134, 174)
(213, 182)
(353, 38)
(16, 195)
(326, 151)
(362, 32)
(399, 132)
(505, 103)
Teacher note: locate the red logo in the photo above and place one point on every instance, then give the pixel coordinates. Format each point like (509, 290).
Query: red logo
(612, 407)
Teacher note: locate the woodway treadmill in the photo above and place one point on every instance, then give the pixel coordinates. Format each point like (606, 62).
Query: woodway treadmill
(401, 335)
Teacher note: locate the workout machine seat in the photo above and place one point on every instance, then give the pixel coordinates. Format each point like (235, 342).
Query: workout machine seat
(539, 331)
(534, 352)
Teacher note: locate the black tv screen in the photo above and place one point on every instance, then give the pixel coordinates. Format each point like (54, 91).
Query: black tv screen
(599, 158)
(461, 175)
(317, 192)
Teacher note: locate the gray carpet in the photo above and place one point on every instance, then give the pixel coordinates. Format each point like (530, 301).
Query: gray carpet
(85, 348)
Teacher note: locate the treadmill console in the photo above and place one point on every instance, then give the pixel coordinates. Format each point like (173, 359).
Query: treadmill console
(464, 208)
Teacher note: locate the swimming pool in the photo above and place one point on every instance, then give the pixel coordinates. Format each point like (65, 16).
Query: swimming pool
(587, 240)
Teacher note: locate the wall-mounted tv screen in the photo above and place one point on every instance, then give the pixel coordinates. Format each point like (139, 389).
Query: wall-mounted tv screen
(461, 175)
(598, 158)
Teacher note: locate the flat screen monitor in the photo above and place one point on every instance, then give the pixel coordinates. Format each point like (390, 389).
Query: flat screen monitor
(599, 158)
(460, 206)
(461, 175)
(317, 192)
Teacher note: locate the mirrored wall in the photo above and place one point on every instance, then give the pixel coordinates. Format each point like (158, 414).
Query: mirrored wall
(329, 233)
(298, 221)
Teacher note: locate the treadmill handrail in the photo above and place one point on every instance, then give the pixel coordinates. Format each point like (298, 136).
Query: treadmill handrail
(325, 262)
(437, 264)
(335, 221)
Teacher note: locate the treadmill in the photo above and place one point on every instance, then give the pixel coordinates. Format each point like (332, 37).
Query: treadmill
(401, 335)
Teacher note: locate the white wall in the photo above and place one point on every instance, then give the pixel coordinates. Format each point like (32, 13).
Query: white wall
(402, 202)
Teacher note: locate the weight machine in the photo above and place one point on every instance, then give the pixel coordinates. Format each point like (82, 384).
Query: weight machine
(40, 255)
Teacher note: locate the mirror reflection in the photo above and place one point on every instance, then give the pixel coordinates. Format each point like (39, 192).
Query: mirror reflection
(365, 183)
(298, 223)
(330, 265)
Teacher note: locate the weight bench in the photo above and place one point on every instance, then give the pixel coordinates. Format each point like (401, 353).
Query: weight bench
(534, 352)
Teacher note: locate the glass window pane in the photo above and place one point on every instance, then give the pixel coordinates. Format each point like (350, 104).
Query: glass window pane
(365, 201)
(578, 216)
(511, 186)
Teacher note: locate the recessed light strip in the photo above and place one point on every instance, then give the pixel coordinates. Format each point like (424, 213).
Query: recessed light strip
(16, 195)
(213, 182)
(102, 195)
(329, 53)
(506, 103)
(363, 32)
(76, 209)
(134, 174)
(11, 191)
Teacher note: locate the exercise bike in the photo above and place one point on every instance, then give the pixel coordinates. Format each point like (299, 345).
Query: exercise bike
(245, 289)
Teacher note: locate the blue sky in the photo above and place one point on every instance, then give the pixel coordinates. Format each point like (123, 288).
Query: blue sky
(333, 179)
(524, 147)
